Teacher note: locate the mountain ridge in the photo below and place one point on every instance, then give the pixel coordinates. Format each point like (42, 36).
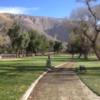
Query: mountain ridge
(51, 27)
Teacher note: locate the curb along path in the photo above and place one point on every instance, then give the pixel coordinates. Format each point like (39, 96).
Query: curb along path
(27, 94)
(62, 84)
(31, 88)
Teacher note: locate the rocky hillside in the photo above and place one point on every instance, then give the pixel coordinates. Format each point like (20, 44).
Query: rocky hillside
(51, 27)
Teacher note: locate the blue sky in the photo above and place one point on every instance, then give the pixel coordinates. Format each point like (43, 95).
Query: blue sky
(51, 8)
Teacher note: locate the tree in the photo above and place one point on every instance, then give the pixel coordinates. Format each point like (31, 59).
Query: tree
(57, 46)
(95, 26)
(38, 43)
(4, 43)
(28, 42)
(45, 44)
(19, 40)
(51, 45)
(14, 33)
(34, 42)
(87, 22)
(78, 44)
(23, 42)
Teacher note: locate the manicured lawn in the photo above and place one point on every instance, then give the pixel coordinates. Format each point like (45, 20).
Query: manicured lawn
(16, 76)
(92, 77)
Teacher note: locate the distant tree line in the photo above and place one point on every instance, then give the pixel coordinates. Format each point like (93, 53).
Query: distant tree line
(26, 43)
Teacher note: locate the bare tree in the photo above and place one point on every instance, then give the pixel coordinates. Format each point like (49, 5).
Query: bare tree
(85, 24)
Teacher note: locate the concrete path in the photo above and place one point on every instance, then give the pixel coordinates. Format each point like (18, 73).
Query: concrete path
(62, 84)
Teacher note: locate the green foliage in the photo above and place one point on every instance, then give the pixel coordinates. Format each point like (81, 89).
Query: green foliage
(78, 44)
(57, 46)
(44, 44)
(14, 34)
(3, 43)
(48, 63)
(31, 41)
(38, 43)
(23, 40)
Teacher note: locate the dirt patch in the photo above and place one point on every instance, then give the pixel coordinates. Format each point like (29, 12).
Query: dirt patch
(62, 84)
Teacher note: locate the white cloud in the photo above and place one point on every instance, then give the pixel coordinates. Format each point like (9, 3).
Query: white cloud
(18, 10)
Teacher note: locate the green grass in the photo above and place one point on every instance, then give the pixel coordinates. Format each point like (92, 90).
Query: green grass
(92, 77)
(17, 76)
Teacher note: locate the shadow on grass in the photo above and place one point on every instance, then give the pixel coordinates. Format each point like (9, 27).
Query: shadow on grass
(14, 70)
(91, 71)
(61, 59)
(85, 60)
(76, 59)
(20, 66)
(30, 68)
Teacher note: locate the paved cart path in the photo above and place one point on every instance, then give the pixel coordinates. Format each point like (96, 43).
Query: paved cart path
(62, 84)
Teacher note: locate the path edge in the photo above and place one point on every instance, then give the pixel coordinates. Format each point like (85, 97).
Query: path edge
(60, 64)
(31, 88)
(89, 91)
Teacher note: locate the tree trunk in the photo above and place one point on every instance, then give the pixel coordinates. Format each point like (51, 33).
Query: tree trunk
(16, 53)
(72, 55)
(86, 56)
(96, 52)
(80, 54)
